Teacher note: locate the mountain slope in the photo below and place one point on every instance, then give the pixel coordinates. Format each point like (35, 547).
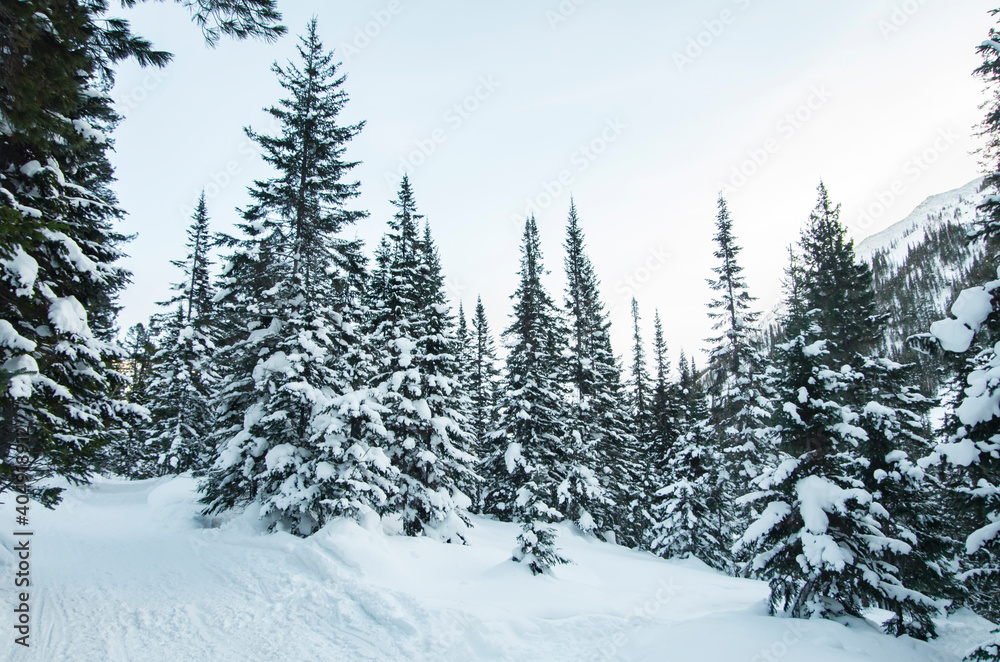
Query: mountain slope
(128, 571)
(919, 265)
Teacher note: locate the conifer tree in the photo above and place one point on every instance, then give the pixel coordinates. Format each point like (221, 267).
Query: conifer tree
(741, 402)
(830, 265)
(665, 408)
(665, 418)
(530, 476)
(600, 427)
(973, 443)
(293, 421)
(690, 510)
(639, 386)
(827, 539)
(60, 393)
(484, 388)
(418, 382)
(180, 392)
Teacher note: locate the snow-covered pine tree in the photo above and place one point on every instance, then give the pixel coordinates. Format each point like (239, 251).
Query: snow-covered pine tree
(894, 419)
(127, 454)
(837, 285)
(690, 509)
(418, 371)
(536, 548)
(824, 542)
(529, 469)
(484, 388)
(180, 391)
(607, 448)
(60, 392)
(665, 407)
(736, 368)
(639, 389)
(463, 336)
(665, 414)
(973, 445)
(290, 412)
(741, 406)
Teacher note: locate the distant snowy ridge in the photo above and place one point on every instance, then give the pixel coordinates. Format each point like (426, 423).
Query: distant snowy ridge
(955, 205)
(894, 244)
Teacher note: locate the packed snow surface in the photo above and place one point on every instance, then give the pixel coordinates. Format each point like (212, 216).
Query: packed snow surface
(126, 571)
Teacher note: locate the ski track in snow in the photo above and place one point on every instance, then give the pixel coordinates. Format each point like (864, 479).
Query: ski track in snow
(125, 571)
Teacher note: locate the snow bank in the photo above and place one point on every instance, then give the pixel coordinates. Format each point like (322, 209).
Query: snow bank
(126, 572)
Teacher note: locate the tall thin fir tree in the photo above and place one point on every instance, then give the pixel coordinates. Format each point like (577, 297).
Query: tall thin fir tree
(529, 463)
(484, 388)
(665, 408)
(741, 402)
(181, 388)
(290, 411)
(664, 429)
(607, 450)
(638, 383)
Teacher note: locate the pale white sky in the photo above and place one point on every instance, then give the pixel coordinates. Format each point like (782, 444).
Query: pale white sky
(642, 110)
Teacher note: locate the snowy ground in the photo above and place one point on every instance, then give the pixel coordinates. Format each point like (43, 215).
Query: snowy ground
(128, 571)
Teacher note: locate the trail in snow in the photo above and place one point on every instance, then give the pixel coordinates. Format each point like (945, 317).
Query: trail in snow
(125, 571)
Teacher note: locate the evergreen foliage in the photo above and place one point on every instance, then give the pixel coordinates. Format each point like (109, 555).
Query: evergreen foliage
(419, 366)
(290, 409)
(180, 391)
(531, 472)
(60, 391)
(536, 548)
(605, 445)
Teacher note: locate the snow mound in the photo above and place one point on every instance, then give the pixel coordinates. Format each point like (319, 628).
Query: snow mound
(122, 571)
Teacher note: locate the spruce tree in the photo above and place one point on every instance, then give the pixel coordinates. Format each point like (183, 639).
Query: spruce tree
(484, 388)
(827, 539)
(293, 422)
(973, 443)
(180, 391)
(665, 420)
(837, 284)
(690, 511)
(665, 407)
(61, 396)
(418, 382)
(530, 476)
(741, 405)
(607, 448)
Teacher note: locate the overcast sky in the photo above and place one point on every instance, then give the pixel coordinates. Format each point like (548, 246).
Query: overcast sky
(641, 110)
